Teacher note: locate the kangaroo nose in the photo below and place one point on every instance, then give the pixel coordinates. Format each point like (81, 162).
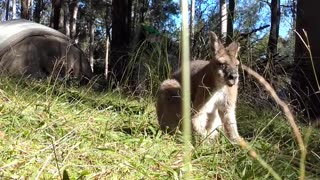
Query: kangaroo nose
(232, 76)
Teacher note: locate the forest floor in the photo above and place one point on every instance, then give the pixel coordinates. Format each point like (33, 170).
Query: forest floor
(55, 132)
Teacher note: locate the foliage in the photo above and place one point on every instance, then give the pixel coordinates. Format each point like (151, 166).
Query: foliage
(151, 61)
(160, 13)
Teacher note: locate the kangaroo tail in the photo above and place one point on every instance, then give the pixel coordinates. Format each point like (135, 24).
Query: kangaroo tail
(170, 88)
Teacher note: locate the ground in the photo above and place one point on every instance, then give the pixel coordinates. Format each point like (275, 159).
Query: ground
(51, 131)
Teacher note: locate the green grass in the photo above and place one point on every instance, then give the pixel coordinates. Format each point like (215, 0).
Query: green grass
(46, 130)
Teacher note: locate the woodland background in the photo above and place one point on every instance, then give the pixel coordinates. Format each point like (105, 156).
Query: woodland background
(135, 43)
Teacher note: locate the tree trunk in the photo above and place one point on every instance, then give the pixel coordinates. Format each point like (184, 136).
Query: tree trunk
(272, 51)
(56, 4)
(14, 9)
(24, 9)
(91, 42)
(66, 20)
(74, 7)
(274, 29)
(121, 23)
(30, 9)
(7, 10)
(223, 19)
(106, 65)
(306, 75)
(193, 9)
(37, 11)
(230, 21)
(108, 22)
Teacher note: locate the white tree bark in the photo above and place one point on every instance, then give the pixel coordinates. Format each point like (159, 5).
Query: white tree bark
(73, 21)
(91, 44)
(30, 6)
(224, 19)
(106, 67)
(14, 9)
(192, 14)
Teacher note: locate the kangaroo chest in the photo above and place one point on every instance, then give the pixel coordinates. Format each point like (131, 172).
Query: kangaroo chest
(207, 100)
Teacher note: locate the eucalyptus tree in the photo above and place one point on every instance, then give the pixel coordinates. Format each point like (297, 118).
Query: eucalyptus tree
(306, 75)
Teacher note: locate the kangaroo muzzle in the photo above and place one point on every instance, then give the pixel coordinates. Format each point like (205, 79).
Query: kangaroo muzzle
(232, 78)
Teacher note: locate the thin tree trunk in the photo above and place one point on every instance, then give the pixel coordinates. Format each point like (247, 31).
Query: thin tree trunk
(30, 9)
(37, 11)
(306, 75)
(193, 9)
(108, 22)
(14, 9)
(91, 43)
(74, 7)
(61, 18)
(91, 34)
(121, 21)
(66, 21)
(106, 66)
(7, 9)
(24, 9)
(224, 19)
(274, 29)
(56, 13)
(230, 21)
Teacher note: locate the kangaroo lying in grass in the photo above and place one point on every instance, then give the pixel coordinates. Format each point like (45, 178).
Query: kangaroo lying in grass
(214, 89)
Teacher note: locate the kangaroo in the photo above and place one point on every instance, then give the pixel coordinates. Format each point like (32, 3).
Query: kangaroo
(214, 89)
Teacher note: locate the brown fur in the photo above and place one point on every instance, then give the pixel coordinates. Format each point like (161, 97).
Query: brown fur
(214, 86)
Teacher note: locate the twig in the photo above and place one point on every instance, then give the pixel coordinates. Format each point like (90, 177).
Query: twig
(56, 158)
(287, 113)
(44, 166)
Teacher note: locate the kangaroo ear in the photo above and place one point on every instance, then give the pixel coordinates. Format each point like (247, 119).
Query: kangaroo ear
(233, 49)
(216, 45)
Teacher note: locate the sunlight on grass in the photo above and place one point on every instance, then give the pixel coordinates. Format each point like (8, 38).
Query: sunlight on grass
(112, 136)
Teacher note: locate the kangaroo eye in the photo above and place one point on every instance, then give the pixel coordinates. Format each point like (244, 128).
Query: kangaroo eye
(222, 65)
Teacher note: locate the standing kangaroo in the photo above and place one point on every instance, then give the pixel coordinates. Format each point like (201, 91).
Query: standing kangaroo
(214, 89)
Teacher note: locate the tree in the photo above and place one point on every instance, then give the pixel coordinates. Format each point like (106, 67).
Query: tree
(74, 7)
(30, 9)
(121, 31)
(160, 12)
(230, 21)
(24, 9)
(37, 11)
(56, 4)
(223, 19)
(91, 35)
(7, 9)
(66, 18)
(274, 30)
(192, 14)
(306, 75)
(14, 9)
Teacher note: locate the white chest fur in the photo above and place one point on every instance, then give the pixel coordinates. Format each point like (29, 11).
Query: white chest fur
(207, 120)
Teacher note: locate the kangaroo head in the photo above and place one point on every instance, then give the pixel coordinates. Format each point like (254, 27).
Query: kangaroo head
(224, 61)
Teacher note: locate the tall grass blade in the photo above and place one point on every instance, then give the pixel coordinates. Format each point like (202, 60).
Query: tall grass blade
(186, 89)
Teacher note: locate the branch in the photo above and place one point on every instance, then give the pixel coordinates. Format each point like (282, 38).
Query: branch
(246, 35)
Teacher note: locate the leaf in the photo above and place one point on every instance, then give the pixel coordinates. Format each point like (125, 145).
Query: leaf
(65, 175)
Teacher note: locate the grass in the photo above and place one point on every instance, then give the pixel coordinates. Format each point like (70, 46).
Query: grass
(47, 131)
